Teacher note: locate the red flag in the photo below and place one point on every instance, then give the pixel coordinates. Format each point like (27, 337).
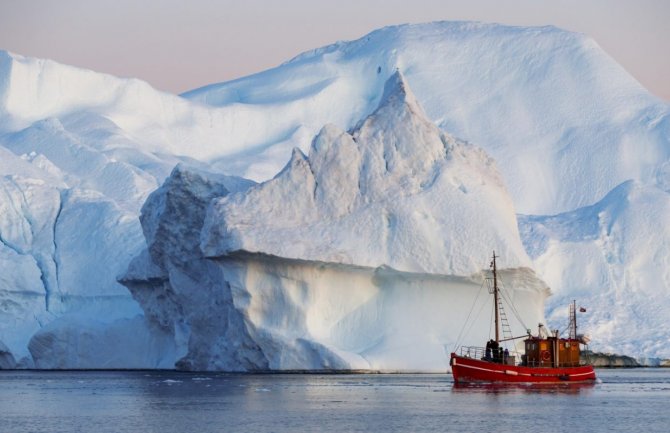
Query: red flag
(582, 310)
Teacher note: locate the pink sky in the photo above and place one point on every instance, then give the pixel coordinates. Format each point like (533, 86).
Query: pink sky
(178, 45)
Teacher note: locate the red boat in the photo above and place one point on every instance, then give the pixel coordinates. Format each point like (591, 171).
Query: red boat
(547, 359)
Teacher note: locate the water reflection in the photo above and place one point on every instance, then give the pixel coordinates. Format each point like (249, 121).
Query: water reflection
(526, 388)
(171, 402)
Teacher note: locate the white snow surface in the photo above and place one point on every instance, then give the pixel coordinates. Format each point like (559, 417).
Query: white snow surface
(564, 123)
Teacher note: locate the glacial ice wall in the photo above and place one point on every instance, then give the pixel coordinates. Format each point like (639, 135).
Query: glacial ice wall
(180, 292)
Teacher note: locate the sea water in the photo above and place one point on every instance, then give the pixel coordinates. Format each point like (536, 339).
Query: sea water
(634, 400)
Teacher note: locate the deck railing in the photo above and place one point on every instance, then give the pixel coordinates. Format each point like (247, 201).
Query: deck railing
(475, 352)
(481, 353)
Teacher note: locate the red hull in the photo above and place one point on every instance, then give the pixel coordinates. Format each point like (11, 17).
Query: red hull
(469, 370)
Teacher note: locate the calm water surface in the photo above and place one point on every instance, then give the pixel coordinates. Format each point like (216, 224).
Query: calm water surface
(164, 402)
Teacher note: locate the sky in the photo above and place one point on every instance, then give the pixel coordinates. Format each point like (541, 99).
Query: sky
(179, 45)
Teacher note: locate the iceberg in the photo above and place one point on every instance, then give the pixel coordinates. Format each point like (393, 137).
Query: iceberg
(361, 255)
(81, 152)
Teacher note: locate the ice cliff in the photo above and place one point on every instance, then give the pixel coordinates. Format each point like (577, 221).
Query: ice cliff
(61, 250)
(358, 256)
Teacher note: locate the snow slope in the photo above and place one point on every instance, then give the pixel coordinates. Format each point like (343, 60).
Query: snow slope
(564, 121)
(549, 105)
(613, 257)
(565, 124)
(361, 256)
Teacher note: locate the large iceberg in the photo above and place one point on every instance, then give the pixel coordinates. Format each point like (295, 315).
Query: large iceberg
(81, 151)
(363, 255)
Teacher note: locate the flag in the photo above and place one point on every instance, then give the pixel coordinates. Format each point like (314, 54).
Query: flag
(582, 310)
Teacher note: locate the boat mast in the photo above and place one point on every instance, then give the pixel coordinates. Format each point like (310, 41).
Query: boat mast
(573, 320)
(495, 295)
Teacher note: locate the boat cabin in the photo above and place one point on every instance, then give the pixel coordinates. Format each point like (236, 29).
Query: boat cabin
(551, 352)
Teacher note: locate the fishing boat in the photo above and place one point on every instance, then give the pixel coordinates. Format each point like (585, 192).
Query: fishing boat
(547, 357)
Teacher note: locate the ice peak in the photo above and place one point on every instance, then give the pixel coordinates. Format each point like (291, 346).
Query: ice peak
(297, 164)
(297, 157)
(397, 91)
(399, 139)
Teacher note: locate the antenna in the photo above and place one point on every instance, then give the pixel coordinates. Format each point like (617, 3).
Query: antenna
(495, 295)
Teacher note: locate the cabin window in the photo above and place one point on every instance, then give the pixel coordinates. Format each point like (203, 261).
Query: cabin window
(567, 344)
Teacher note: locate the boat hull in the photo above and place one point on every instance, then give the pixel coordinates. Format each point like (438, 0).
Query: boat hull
(471, 370)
